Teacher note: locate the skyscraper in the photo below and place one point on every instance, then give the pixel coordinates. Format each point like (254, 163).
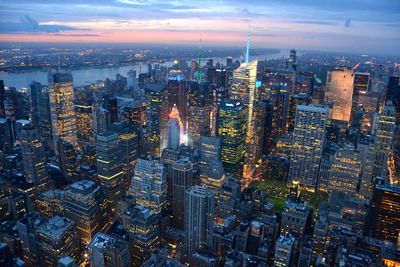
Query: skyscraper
(108, 251)
(111, 104)
(308, 142)
(109, 169)
(339, 83)
(244, 88)
(36, 99)
(232, 130)
(284, 251)
(345, 171)
(149, 184)
(384, 217)
(84, 117)
(173, 134)
(384, 132)
(157, 110)
(34, 158)
(56, 238)
(142, 226)
(84, 204)
(61, 94)
(182, 179)
(199, 219)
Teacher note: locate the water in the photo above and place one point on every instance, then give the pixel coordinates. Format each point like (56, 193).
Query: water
(90, 75)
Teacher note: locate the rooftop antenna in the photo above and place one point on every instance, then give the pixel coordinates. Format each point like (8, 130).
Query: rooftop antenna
(199, 70)
(248, 46)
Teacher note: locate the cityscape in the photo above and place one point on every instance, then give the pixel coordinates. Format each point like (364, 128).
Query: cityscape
(199, 133)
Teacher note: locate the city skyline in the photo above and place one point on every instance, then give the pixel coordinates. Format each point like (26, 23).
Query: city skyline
(356, 26)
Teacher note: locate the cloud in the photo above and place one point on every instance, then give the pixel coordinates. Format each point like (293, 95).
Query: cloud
(29, 25)
(316, 22)
(76, 34)
(347, 23)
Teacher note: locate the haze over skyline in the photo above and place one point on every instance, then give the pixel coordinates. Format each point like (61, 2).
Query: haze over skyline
(343, 26)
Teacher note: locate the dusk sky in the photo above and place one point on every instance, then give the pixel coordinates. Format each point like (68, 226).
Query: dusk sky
(362, 26)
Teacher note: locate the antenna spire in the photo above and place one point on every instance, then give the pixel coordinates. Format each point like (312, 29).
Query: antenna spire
(248, 46)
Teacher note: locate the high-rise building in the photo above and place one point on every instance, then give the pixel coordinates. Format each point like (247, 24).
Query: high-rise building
(157, 110)
(296, 218)
(292, 62)
(198, 124)
(142, 226)
(102, 120)
(308, 141)
(129, 139)
(111, 104)
(178, 96)
(67, 160)
(135, 114)
(384, 134)
(199, 219)
(339, 83)
(57, 238)
(63, 119)
(232, 130)
(345, 171)
(84, 204)
(383, 220)
(284, 250)
(2, 99)
(244, 88)
(84, 117)
(173, 134)
(108, 251)
(109, 169)
(34, 158)
(182, 179)
(36, 99)
(393, 94)
(211, 168)
(149, 184)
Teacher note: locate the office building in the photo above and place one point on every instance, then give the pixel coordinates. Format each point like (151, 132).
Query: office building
(109, 169)
(243, 88)
(284, 250)
(149, 184)
(84, 204)
(157, 110)
(339, 83)
(34, 158)
(296, 218)
(142, 226)
(308, 141)
(199, 219)
(232, 130)
(383, 221)
(84, 117)
(63, 119)
(108, 251)
(57, 238)
(173, 134)
(110, 103)
(345, 171)
(182, 179)
(67, 160)
(384, 134)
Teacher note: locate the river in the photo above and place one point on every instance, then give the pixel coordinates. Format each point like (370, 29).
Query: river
(90, 75)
